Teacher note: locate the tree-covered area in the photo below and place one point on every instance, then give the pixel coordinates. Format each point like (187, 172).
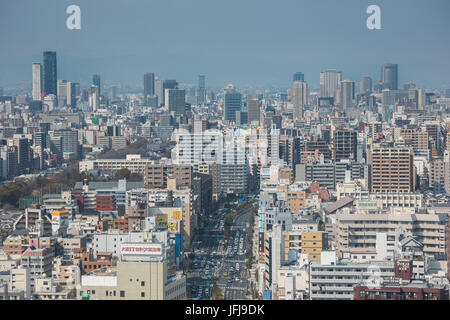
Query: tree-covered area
(137, 147)
(11, 193)
(126, 174)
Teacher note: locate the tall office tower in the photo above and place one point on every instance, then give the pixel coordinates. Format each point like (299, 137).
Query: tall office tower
(366, 85)
(167, 84)
(50, 72)
(329, 81)
(389, 76)
(23, 152)
(62, 93)
(232, 103)
(149, 85)
(66, 93)
(176, 100)
(71, 94)
(346, 94)
(299, 98)
(391, 169)
(37, 81)
(69, 141)
(298, 76)
(77, 89)
(253, 110)
(447, 93)
(113, 93)
(96, 82)
(40, 139)
(93, 98)
(344, 145)
(201, 89)
(159, 91)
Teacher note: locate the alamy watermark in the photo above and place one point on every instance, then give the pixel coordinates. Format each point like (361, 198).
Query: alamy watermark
(73, 21)
(374, 20)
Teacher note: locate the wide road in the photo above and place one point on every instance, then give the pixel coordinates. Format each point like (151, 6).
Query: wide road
(214, 260)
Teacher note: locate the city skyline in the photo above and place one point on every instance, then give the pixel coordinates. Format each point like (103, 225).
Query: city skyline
(248, 52)
(224, 150)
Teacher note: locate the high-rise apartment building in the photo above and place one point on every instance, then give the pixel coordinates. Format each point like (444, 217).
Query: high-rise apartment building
(299, 98)
(329, 82)
(50, 73)
(37, 81)
(159, 91)
(391, 169)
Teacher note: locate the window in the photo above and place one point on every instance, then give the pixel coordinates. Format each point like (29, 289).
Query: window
(142, 294)
(122, 293)
(142, 283)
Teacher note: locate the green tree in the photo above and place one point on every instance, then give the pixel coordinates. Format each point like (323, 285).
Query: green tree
(122, 174)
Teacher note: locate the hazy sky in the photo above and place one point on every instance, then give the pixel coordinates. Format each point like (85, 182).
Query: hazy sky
(245, 42)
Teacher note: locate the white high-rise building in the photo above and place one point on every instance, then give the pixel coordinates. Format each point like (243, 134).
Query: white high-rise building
(198, 147)
(37, 81)
(93, 98)
(159, 91)
(329, 81)
(299, 98)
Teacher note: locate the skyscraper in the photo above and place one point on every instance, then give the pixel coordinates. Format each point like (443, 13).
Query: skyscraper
(201, 89)
(329, 82)
(149, 85)
(62, 93)
(37, 81)
(50, 72)
(167, 84)
(366, 85)
(232, 103)
(347, 94)
(176, 100)
(159, 91)
(299, 98)
(389, 76)
(96, 82)
(253, 110)
(93, 98)
(298, 76)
